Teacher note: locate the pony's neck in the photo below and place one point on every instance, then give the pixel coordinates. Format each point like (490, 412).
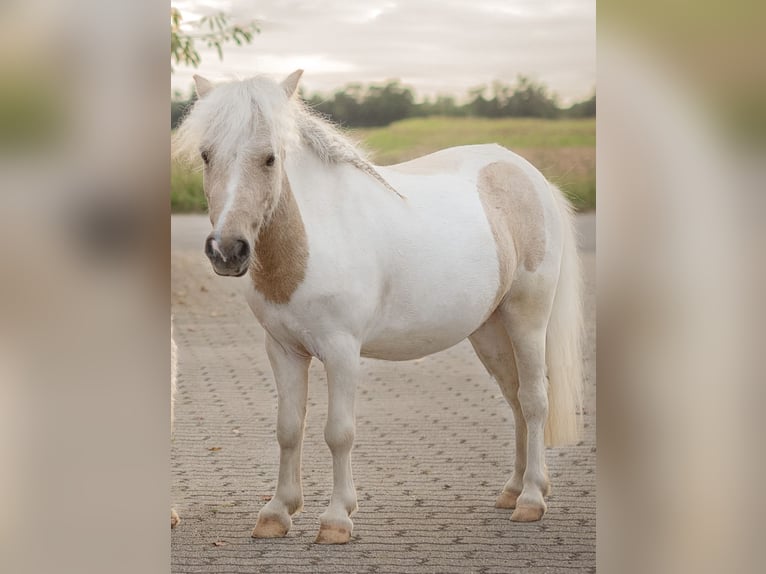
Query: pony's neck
(329, 146)
(281, 250)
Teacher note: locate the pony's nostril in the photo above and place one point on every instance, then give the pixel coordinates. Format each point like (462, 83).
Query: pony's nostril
(242, 249)
(209, 250)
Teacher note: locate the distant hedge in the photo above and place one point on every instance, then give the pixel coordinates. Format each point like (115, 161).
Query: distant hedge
(380, 105)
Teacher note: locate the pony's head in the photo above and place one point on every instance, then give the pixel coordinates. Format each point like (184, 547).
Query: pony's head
(240, 131)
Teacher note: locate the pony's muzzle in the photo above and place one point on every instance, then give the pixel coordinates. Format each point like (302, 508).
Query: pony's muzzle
(229, 256)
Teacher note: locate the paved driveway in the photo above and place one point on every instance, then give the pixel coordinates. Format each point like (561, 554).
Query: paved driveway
(434, 446)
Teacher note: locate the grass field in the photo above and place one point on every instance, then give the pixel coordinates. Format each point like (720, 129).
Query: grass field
(564, 150)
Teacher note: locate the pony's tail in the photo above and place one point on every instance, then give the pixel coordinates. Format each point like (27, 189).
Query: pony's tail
(563, 355)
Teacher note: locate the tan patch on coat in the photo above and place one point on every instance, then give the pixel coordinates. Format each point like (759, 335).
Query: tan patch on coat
(516, 217)
(281, 251)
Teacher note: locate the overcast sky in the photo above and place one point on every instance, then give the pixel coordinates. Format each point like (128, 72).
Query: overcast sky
(434, 46)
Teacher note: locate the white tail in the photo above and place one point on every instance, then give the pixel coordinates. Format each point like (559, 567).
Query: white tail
(563, 354)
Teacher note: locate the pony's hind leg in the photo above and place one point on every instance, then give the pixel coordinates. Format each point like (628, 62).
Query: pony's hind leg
(493, 347)
(291, 375)
(525, 313)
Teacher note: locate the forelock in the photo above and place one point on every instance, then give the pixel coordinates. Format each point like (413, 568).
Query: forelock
(228, 117)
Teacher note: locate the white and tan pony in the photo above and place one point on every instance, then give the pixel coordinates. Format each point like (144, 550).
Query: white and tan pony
(350, 260)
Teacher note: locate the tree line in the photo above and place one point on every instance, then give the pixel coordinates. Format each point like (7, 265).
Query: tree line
(379, 105)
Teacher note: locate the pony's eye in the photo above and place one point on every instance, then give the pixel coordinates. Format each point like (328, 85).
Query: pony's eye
(205, 157)
(270, 160)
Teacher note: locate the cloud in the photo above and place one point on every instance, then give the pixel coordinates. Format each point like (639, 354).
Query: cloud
(444, 46)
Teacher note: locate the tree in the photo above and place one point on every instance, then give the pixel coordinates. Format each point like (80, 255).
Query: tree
(386, 104)
(214, 31)
(179, 106)
(531, 100)
(584, 109)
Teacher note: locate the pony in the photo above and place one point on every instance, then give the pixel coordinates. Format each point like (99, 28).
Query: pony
(348, 259)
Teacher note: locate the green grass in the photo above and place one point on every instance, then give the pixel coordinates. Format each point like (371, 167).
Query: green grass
(564, 150)
(186, 192)
(410, 138)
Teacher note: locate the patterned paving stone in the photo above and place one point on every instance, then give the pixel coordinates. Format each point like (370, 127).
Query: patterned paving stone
(434, 446)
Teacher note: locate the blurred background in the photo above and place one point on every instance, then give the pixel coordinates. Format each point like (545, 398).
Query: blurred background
(84, 302)
(680, 281)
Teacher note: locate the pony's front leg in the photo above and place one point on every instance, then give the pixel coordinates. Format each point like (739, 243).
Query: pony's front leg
(291, 374)
(342, 368)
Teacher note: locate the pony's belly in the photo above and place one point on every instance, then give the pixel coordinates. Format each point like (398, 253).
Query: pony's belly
(439, 298)
(418, 340)
(408, 346)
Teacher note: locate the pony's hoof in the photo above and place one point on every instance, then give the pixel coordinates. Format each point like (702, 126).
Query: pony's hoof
(332, 534)
(527, 514)
(270, 527)
(174, 519)
(507, 499)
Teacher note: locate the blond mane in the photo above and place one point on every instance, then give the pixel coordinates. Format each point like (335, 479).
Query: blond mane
(226, 118)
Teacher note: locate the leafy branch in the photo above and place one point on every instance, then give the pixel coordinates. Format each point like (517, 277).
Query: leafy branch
(214, 31)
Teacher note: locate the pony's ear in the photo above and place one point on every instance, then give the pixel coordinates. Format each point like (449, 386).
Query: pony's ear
(290, 83)
(203, 86)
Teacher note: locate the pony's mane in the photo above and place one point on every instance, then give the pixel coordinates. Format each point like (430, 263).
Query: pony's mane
(232, 110)
(331, 145)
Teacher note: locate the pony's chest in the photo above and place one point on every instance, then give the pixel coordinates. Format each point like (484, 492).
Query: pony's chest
(312, 316)
(280, 320)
